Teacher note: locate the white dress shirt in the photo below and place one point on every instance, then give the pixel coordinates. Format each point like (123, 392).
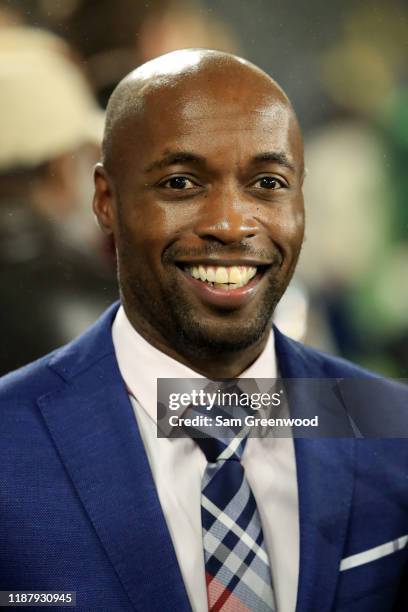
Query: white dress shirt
(178, 465)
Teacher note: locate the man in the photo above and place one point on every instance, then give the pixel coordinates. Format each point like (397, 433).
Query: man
(201, 186)
(50, 125)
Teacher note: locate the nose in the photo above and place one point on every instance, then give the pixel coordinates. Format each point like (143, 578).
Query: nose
(226, 218)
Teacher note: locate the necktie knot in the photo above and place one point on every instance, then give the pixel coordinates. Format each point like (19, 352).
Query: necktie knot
(215, 450)
(224, 442)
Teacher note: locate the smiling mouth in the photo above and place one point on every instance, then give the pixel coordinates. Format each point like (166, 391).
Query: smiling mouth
(226, 278)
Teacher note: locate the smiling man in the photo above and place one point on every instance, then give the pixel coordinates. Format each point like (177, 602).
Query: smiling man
(201, 186)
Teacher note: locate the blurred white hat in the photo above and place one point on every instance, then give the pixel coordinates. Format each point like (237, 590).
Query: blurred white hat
(46, 105)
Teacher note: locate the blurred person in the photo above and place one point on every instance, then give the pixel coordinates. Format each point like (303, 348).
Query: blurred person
(354, 269)
(49, 247)
(201, 186)
(128, 33)
(342, 250)
(180, 24)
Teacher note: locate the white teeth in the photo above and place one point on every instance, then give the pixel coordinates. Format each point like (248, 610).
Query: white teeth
(221, 275)
(251, 273)
(235, 275)
(210, 275)
(202, 272)
(225, 277)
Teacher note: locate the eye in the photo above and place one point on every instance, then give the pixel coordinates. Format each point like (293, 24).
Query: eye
(269, 182)
(180, 183)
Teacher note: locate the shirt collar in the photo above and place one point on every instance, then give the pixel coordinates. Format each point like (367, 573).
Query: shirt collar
(141, 364)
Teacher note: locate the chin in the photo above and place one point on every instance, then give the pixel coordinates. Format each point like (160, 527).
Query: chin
(221, 336)
(197, 332)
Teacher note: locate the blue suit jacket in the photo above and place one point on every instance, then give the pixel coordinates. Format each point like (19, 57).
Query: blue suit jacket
(79, 510)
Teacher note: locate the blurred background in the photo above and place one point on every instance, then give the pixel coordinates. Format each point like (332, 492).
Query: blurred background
(344, 66)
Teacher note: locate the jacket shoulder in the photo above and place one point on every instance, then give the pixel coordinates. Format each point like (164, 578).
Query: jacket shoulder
(47, 373)
(335, 367)
(30, 381)
(308, 361)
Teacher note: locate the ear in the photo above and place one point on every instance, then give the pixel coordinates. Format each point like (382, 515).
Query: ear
(104, 200)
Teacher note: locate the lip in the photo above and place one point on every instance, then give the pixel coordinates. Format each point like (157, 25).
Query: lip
(219, 298)
(208, 261)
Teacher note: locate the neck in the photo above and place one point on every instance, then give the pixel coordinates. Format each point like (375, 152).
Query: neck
(212, 365)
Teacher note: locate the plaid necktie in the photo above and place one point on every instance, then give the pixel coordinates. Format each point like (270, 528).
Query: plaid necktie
(236, 563)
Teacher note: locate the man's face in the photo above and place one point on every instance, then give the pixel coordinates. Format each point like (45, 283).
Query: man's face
(209, 214)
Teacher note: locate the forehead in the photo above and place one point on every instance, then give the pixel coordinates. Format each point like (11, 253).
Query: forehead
(213, 120)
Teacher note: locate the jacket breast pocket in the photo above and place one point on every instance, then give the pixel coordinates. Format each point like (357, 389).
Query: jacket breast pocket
(370, 581)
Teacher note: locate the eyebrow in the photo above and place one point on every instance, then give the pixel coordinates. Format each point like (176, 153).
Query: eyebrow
(172, 159)
(275, 157)
(183, 157)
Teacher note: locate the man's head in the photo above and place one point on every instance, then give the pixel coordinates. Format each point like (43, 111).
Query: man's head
(201, 184)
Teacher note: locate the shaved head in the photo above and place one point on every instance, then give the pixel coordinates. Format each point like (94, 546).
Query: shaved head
(177, 74)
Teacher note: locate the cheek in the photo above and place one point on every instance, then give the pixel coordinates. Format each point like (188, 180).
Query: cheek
(286, 229)
(161, 221)
(149, 228)
(294, 228)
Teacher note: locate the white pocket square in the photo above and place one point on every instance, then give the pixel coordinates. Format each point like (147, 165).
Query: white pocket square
(372, 554)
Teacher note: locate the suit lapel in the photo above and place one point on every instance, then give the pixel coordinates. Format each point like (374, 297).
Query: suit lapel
(325, 469)
(93, 427)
